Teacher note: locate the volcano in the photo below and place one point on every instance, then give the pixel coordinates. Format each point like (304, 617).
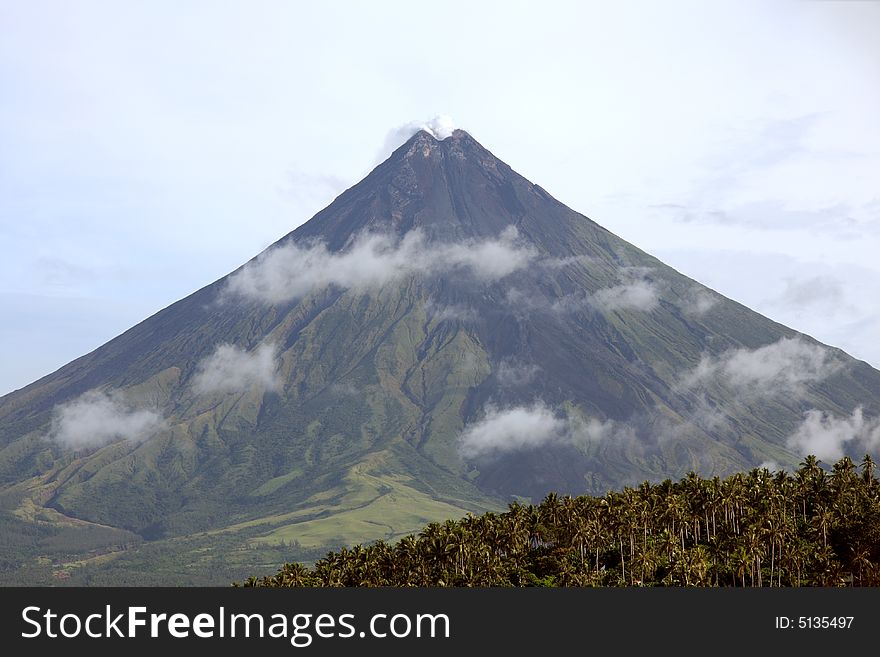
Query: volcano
(445, 337)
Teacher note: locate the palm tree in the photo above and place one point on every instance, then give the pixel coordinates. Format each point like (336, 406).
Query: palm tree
(868, 466)
(815, 528)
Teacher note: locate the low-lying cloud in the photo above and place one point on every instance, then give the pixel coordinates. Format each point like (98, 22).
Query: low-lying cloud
(637, 295)
(783, 366)
(698, 302)
(292, 271)
(439, 312)
(512, 373)
(511, 429)
(826, 436)
(519, 428)
(97, 418)
(231, 369)
(634, 292)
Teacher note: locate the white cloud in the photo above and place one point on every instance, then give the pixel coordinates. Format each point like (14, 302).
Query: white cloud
(287, 272)
(526, 427)
(522, 303)
(489, 259)
(512, 373)
(441, 126)
(634, 292)
(826, 436)
(291, 271)
(97, 418)
(783, 366)
(582, 431)
(449, 312)
(637, 295)
(511, 429)
(699, 301)
(231, 369)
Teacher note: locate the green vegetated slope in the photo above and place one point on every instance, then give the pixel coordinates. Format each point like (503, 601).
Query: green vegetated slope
(360, 439)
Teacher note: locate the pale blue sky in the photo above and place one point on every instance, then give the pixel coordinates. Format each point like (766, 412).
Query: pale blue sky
(148, 148)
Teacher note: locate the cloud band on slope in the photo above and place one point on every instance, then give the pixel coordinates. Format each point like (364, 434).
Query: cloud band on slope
(826, 436)
(292, 271)
(635, 291)
(636, 295)
(520, 428)
(98, 418)
(438, 312)
(782, 366)
(697, 302)
(231, 369)
(512, 373)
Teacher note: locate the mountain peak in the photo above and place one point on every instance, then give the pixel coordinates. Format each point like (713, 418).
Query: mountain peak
(455, 135)
(421, 140)
(459, 143)
(458, 133)
(443, 182)
(427, 135)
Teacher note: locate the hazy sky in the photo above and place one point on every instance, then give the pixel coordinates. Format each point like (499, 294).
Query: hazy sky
(149, 148)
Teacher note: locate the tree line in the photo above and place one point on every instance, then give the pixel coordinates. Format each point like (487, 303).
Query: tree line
(813, 527)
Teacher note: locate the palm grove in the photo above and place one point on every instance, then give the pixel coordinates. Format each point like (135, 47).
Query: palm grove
(814, 527)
